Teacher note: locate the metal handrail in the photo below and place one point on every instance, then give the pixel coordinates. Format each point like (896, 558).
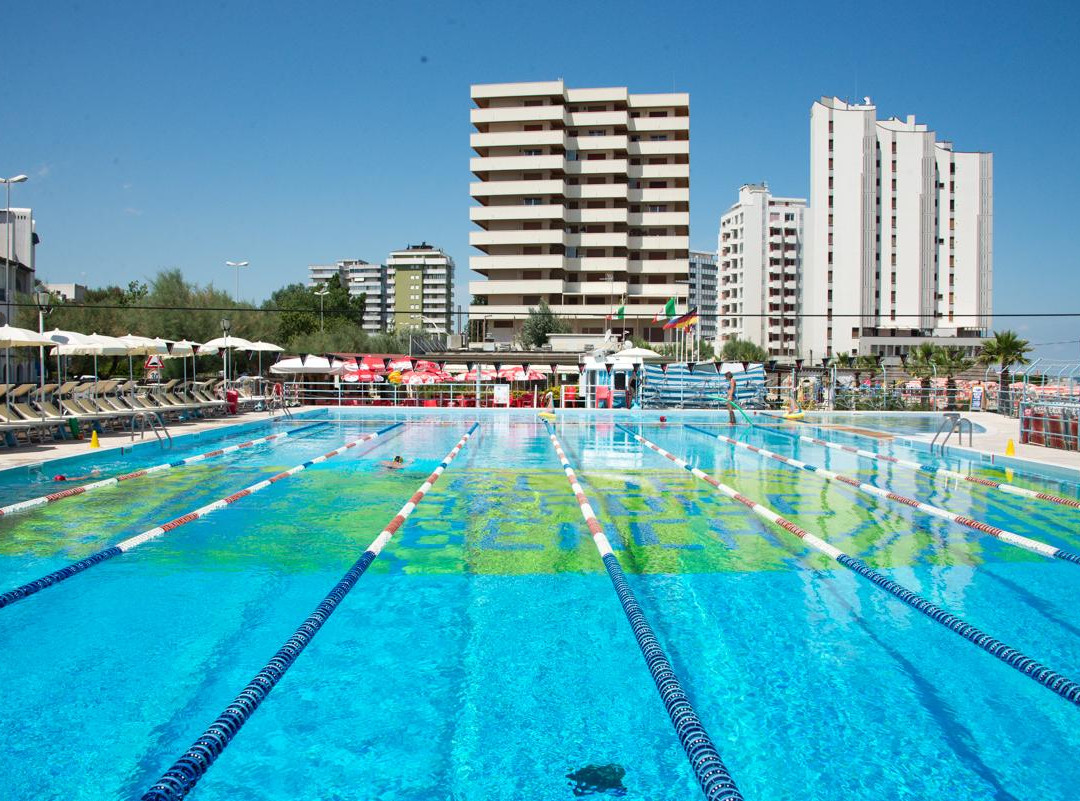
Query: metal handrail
(147, 418)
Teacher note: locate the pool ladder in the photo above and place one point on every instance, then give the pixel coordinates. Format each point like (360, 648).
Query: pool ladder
(952, 422)
(276, 403)
(153, 422)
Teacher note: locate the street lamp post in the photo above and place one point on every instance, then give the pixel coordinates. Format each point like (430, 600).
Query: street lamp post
(9, 254)
(226, 326)
(237, 265)
(322, 293)
(43, 299)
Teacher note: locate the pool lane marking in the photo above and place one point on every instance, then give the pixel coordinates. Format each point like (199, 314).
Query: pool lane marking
(17, 594)
(1049, 678)
(114, 480)
(181, 778)
(1018, 540)
(930, 469)
(704, 757)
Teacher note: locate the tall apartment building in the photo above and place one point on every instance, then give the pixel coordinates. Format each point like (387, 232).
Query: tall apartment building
(18, 232)
(420, 281)
(582, 200)
(703, 292)
(415, 288)
(761, 268)
(901, 235)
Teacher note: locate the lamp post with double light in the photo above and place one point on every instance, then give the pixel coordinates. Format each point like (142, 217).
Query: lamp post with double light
(43, 299)
(322, 293)
(226, 326)
(237, 265)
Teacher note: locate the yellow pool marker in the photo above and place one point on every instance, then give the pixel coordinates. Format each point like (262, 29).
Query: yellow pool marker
(1010, 448)
(94, 440)
(546, 416)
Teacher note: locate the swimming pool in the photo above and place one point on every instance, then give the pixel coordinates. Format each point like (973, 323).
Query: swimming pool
(485, 655)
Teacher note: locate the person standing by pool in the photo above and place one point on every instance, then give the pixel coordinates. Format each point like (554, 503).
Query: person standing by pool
(730, 396)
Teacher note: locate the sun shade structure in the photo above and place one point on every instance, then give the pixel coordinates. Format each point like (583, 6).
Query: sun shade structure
(233, 343)
(12, 337)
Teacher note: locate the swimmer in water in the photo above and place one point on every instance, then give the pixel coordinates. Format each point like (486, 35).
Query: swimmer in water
(92, 474)
(396, 464)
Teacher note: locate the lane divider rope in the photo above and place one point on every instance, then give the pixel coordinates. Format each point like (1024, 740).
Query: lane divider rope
(1051, 679)
(182, 777)
(704, 757)
(64, 573)
(114, 480)
(930, 469)
(1018, 540)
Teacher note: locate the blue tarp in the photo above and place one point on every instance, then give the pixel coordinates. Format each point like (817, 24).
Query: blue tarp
(701, 388)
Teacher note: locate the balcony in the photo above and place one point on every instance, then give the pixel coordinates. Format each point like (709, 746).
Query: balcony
(595, 288)
(486, 116)
(481, 214)
(598, 240)
(658, 218)
(486, 264)
(519, 287)
(596, 215)
(597, 119)
(605, 264)
(481, 91)
(522, 188)
(596, 167)
(676, 267)
(486, 164)
(488, 238)
(651, 124)
(478, 141)
(596, 191)
(658, 291)
(586, 143)
(658, 242)
(660, 171)
(668, 148)
(675, 195)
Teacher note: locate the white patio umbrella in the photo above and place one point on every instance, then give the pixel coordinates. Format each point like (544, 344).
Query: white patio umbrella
(181, 349)
(12, 337)
(223, 344)
(261, 347)
(142, 346)
(65, 342)
(307, 364)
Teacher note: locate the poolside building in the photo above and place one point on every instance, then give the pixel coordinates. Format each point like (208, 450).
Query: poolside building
(420, 288)
(900, 238)
(761, 267)
(582, 200)
(19, 233)
(361, 278)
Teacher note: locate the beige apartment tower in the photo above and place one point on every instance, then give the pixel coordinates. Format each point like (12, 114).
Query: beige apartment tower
(582, 199)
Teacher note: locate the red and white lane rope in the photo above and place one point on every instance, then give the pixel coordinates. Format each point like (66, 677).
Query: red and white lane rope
(1002, 486)
(64, 573)
(1020, 541)
(114, 480)
(1049, 678)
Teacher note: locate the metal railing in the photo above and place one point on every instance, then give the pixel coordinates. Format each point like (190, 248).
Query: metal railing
(1051, 424)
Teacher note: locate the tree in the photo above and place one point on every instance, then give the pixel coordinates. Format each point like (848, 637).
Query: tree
(742, 350)
(1004, 350)
(541, 322)
(951, 361)
(841, 360)
(921, 363)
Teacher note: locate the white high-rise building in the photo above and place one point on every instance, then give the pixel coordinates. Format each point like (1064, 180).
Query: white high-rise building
(20, 234)
(761, 266)
(583, 201)
(703, 293)
(361, 278)
(900, 239)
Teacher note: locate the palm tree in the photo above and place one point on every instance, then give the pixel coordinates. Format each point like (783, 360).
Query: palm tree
(921, 361)
(842, 360)
(1005, 350)
(952, 360)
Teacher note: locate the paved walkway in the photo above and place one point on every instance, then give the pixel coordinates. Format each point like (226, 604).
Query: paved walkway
(40, 452)
(1000, 429)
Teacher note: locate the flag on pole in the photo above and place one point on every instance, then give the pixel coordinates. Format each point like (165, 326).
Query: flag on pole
(620, 314)
(667, 311)
(682, 321)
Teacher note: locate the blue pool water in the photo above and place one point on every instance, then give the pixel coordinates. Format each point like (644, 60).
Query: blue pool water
(891, 423)
(485, 656)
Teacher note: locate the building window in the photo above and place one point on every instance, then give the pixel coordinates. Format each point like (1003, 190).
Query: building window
(532, 201)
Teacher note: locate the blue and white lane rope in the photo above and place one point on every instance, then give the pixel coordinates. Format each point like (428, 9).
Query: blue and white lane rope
(17, 594)
(1018, 540)
(114, 480)
(1063, 686)
(181, 778)
(930, 469)
(704, 757)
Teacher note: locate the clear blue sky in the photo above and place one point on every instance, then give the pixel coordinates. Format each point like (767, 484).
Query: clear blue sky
(185, 134)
